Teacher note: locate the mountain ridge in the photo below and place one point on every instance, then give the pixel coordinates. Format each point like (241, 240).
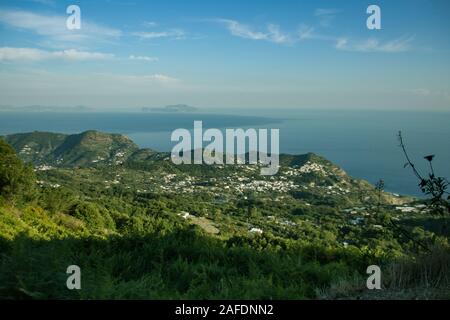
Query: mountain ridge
(50, 146)
(93, 149)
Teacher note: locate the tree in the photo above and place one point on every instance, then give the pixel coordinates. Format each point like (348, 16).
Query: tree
(17, 180)
(379, 186)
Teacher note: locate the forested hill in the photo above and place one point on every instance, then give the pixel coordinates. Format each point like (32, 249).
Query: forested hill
(307, 176)
(90, 148)
(71, 150)
(141, 227)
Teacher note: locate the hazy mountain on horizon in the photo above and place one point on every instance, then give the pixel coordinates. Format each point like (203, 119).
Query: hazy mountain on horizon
(40, 108)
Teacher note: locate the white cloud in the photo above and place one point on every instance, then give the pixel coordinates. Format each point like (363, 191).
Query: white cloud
(423, 92)
(143, 58)
(54, 27)
(325, 16)
(162, 78)
(172, 33)
(243, 31)
(325, 12)
(32, 54)
(420, 92)
(342, 44)
(45, 2)
(137, 81)
(276, 35)
(401, 44)
(273, 33)
(306, 32)
(150, 24)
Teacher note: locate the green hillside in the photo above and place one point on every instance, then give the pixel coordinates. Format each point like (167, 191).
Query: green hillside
(84, 149)
(141, 227)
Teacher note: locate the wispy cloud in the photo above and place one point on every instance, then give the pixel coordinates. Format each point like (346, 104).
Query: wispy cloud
(140, 80)
(143, 58)
(420, 92)
(176, 34)
(306, 33)
(53, 27)
(272, 34)
(45, 2)
(423, 92)
(401, 44)
(161, 78)
(8, 54)
(149, 24)
(325, 16)
(111, 89)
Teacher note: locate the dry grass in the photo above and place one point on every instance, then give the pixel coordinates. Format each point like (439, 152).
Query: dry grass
(422, 277)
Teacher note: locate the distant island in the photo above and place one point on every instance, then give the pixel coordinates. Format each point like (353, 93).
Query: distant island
(171, 108)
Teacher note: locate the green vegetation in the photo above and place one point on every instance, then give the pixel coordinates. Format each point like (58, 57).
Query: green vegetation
(16, 179)
(140, 227)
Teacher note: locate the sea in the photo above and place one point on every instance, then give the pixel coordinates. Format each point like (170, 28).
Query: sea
(363, 143)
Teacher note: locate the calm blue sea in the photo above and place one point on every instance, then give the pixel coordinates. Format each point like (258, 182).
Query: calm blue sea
(363, 143)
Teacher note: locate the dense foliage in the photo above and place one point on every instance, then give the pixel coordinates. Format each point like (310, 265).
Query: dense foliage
(17, 180)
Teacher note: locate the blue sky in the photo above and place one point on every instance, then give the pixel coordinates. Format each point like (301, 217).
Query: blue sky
(290, 54)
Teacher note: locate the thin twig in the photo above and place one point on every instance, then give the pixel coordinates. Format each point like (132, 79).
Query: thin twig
(407, 156)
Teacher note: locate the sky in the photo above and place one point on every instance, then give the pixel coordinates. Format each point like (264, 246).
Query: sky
(219, 54)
